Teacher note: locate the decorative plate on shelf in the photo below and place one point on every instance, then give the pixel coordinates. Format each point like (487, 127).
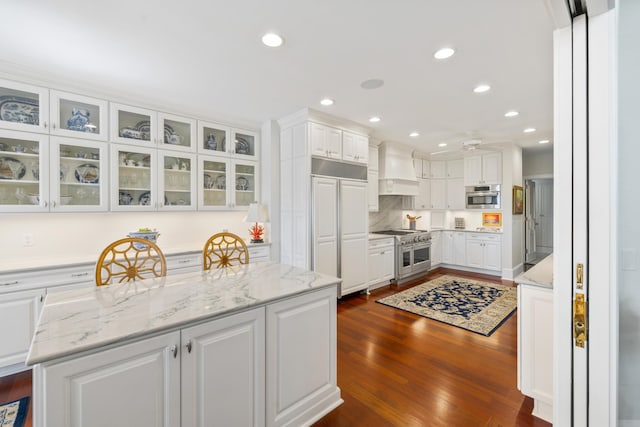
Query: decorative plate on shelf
(208, 181)
(144, 127)
(168, 132)
(242, 145)
(19, 109)
(145, 199)
(242, 183)
(11, 168)
(125, 198)
(87, 174)
(221, 182)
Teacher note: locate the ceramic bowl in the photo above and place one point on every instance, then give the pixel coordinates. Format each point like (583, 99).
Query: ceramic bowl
(65, 200)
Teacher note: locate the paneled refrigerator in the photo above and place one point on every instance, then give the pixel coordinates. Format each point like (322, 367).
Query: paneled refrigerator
(340, 230)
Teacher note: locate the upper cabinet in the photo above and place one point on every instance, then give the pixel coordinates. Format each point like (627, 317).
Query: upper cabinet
(176, 133)
(133, 125)
(337, 144)
(213, 139)
(438, 169)
(24, 107)
(78, 116)
(133, 187)
(455, 168)
(226, 184)
(483, 169)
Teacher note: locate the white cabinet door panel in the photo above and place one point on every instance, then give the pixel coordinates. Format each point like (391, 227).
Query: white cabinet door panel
(19, 312)
(455, 194)
(353, 264)
(472, 170)
(460, 248)
(325, 226)
(475, 253)
(493, 255)
(492, 168)
(438, 169)
(353, 208)
(438, 194)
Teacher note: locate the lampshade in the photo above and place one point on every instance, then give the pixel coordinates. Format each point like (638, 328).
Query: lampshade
(257, 213)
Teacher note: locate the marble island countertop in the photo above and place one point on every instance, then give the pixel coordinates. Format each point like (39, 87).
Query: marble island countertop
(540, 274)
(85, 319)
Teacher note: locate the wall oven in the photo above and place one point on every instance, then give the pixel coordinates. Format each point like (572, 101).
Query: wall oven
(483, 197)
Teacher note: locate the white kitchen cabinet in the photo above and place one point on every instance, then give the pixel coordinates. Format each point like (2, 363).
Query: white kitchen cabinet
(374, 161)
(226, 183)
(422, 167)
(141, 380)
(438, 193)
(133, 178)
(301, 358)
(423, 199)
(354, 236)
(483, 169)
(212, 138)
(223, 371)
(438, 169)
(176, 133)
(325, 141)
(355, 148)
(19, 312)
(245, 144)
(436, 248)
(373, 185)
(455, 194)
(177, 180)
(132, 125)
(455, 168)
(447, 247)
(259, 252)
(25, 107)
(535, 348)
(484, 251)
(381, 261)
(460, 248)
(79, 116)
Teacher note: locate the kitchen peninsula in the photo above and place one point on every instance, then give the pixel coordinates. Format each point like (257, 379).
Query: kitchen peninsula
(247, 345)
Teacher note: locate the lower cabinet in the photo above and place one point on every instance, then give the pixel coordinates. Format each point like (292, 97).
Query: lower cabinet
(219, 373)
(535, 347)
(484, 251)
(19, 312)
(436, 248)
(381, 261)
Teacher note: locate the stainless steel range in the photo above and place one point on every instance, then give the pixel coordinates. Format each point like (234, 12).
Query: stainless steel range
(413, 252)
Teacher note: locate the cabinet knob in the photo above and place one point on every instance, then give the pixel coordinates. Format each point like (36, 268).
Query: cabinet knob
(174, 350)
(53, 125)
(44, 124)
(188, 346)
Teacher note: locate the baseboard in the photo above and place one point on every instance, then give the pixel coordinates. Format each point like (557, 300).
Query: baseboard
(469, 269)
(317, 410)
(511, 273)
(542, 410)
(13, 369)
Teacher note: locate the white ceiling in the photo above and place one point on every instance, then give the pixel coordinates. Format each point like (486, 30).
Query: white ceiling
(206, 57)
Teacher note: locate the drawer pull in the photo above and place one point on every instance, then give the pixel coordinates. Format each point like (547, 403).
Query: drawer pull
(184, 261)
(15, 282)
(80, 274)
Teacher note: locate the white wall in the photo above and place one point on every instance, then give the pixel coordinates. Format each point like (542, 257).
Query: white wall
(513, 225)
(628, 207)
(537, 163)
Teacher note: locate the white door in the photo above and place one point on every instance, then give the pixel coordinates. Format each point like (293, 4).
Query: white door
(325, 226)
(354, 240)
(530, 228)
(543, 215)
(223, 376)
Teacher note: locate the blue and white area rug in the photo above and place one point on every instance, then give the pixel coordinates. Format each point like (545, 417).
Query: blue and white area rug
(14, 414)
(470, 304)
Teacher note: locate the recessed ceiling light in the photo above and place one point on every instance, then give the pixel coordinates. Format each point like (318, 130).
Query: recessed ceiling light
(372, 84)
(543, 141)
(529, 130)
(272, 40)
(442, 144)
(512, 113)
(444, 53)
(326, 102)
(414, 134)
(481, 88)
(374, 119)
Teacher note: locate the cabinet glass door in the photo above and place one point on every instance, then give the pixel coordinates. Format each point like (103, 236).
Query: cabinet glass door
(212, 138)
(177, 181)
(244, 185)
(213, 184)
(133, 183)
(78, 116)
(132, 125)
(78, 175)
(23, 107)
(176, 133)
(23, 171)
(245, 143)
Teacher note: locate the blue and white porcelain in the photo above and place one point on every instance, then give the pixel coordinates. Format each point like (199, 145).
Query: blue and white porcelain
(19, 109)
(79, 121)
(211, 142)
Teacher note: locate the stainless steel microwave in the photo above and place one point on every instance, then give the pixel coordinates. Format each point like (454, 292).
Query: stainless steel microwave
(483, 197)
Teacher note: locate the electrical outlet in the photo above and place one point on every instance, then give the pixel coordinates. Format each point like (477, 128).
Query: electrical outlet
(28, 240)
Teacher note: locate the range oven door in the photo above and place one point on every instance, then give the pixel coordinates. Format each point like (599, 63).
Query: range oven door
(405, 260)
(421, 257)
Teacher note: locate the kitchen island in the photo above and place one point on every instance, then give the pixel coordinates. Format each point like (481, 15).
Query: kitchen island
(247, 345)
(535, 336)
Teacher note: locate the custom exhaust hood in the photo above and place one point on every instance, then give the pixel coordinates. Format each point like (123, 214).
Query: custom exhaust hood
(397, 174)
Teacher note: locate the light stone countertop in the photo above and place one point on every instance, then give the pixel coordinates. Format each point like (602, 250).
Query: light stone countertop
(375, 236)
(469, 230)
(540, 274)
(86, 319)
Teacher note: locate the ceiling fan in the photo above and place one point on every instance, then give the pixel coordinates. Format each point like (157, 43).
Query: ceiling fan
(470, 145)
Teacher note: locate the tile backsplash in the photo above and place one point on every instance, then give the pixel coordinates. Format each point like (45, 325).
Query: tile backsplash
(389, 215)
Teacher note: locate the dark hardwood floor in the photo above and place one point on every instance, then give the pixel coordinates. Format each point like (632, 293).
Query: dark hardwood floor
(399, 369)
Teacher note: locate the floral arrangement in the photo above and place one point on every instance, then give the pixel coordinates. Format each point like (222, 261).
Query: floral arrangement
(256, 232)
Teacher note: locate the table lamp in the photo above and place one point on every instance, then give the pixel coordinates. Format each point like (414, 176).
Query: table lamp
(257, 213)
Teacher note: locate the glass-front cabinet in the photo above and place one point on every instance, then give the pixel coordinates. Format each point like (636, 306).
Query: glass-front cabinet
(133, 180)
(226, 184)
(132, 125)
(24, 107)
(78, 116)
(23, 170)
(78, 179)
(177, 180)
(212, 138)
(176, 133)
(245, 144)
